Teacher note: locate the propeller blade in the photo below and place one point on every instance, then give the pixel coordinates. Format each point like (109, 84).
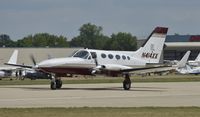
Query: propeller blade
(33, 59)
(96, 62)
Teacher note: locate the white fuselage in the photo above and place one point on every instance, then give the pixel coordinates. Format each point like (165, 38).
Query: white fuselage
(82, 62)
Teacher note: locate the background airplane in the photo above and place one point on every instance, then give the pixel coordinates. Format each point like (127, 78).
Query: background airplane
(110, 63)
(188, 69)
(169, 67)
(196, 62)
(7, 71)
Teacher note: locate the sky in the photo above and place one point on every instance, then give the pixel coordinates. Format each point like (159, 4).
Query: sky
(19, 18)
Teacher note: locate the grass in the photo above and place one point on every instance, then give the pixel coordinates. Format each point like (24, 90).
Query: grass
(82, 80)
(102, 112)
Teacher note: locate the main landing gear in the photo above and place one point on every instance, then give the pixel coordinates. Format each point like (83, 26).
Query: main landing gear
(56, 83)
(127, 82)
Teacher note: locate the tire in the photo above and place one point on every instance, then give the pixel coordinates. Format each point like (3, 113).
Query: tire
(126, 85)
(58, 84)
(53, 85)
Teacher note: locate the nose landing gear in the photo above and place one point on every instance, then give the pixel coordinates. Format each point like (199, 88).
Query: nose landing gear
(56, 83)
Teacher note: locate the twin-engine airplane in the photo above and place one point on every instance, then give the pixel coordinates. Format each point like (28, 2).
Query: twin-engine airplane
(110, 63)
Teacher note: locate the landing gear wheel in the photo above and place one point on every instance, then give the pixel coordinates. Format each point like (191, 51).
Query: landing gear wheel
(53, 85)
(58, 84)
(127, 82)
(126, 85)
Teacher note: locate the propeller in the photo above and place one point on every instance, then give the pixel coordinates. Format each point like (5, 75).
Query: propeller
(98, 67)
(33, 59)
(96, 62)
(94, 56)
(95, 69)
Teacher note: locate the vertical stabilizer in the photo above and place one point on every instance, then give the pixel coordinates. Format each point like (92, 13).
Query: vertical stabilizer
(183, 61)
(13, 58)
(152, 49)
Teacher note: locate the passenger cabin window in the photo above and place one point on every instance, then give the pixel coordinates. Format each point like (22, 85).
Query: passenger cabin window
(110, 56)
(103, 55)
(124, 57)
(117, 57)
(82, 54)
(128, 57)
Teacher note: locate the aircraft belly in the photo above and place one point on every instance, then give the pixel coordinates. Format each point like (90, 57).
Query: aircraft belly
(67, 70)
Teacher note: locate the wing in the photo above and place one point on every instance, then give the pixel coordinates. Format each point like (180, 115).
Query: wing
(19, 65)
(123, 68)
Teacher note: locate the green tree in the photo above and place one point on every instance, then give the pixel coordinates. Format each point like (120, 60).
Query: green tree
(90, 37)
(122, 41)
(5, 41)
(43, 40)
(25, 42)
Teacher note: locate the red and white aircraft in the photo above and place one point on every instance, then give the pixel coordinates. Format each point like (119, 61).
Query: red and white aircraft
(111, 63)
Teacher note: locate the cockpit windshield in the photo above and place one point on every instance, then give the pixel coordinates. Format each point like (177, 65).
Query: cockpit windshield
(82, 54)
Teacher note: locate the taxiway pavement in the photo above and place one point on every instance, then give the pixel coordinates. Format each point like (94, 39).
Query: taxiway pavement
(172, 94)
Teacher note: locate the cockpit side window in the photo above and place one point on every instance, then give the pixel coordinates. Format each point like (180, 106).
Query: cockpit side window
(82, 54)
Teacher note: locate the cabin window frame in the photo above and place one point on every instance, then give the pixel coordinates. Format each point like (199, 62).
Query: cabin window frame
(110, 56)
(123, 57)
(118, 57)
(103, 55)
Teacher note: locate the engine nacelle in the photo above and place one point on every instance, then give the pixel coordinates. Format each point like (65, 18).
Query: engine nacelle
(107, 69)
(114, 67)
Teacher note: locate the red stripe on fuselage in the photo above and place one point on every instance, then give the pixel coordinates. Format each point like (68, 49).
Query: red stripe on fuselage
(82, 71)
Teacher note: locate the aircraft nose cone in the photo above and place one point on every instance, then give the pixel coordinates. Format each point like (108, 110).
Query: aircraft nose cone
(58, 62)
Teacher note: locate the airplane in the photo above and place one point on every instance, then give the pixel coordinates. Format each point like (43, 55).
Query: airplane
(184, 68)
(103, 62)
(196, 62)
(6, 71)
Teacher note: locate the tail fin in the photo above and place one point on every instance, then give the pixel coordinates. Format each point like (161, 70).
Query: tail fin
(13, 58)
(152, 49)
(183, 61)
(198, 58)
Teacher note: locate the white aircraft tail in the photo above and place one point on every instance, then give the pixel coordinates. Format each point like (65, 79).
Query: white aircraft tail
(13, 58)
(183, 61)
(152, 49)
